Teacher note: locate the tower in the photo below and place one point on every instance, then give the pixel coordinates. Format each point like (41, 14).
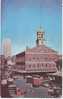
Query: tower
(40, 37)
(7, 48)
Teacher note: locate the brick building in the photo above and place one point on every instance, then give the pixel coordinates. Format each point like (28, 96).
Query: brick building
(40, 58)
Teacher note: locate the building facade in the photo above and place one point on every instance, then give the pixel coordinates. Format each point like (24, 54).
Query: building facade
(40, 58)
(20, 61)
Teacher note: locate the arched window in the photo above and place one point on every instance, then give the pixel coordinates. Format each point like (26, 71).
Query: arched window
(29, 66)
(33, 58)
(37, 58)
(46, 65)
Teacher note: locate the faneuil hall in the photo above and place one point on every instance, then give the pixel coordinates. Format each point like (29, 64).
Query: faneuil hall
(39, 58)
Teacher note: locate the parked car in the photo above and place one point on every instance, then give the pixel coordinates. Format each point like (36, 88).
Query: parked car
(36, 82)
(46, 84)
(56, 92)
(29, 79)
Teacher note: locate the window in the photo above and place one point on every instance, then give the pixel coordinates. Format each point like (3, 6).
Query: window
(46, 65)
(38, 65)
(37, 58)
(29, 66)
(33, 57)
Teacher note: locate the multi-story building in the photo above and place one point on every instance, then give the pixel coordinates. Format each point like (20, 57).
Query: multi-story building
(40, 58)
(7, 48)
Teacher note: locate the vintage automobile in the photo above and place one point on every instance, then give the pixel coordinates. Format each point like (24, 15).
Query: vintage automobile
(56, 92)
(36, 81)
(46, 84)
(54, 89)
(29, 79)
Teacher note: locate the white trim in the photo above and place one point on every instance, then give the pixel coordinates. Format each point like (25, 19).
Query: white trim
(39, 62)
(40, 53)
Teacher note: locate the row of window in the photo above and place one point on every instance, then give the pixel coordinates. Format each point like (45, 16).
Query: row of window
(41, 58)
(41, 65)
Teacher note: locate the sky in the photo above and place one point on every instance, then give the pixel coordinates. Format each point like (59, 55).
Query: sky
(20, 20)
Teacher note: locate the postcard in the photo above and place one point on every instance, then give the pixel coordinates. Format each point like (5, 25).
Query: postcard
(31, 49)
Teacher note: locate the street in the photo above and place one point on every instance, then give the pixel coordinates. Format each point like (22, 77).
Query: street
(40, 92)
(35, 92)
